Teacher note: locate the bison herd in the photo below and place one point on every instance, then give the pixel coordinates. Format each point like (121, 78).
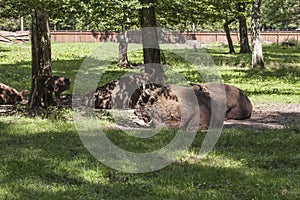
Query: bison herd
(171, 105)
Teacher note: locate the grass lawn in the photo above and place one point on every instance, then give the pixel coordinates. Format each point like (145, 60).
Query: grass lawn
(44, 158)
(280, 82)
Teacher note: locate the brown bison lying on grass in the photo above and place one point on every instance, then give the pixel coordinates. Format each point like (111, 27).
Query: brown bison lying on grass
(238, 104)
(158, 105)
(172, 105)
(10, 96)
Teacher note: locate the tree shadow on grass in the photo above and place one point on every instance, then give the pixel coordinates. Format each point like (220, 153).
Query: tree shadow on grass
(43, 165)
(18, 75)
(55, 165)
(274, 150)
(284, 73)
(4, 49)
(59, 67)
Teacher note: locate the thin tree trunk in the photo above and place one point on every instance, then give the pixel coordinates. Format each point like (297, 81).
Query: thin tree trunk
(244, 42)
(257, 54)
(150, 42)
(228, 36)
(41, 58)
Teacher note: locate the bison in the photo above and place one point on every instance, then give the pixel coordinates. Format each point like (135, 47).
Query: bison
(10, 96)
(238, 105)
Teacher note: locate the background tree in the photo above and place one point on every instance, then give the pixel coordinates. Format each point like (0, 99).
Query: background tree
(187, 15)
(257, 54)
(243, 30)
(150, 41)
(149, 32)
(225, 10)
(281, 15)
(68, 15)
(228, 36)
(40, 41)
(125, 17)
(41, 58)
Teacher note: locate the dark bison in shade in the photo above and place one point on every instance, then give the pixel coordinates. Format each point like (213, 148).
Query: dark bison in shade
(237, 103)
(10, 96)
(117, 93)
(52, 84)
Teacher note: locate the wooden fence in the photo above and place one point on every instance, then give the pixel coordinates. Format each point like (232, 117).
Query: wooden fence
(135, 36)
(169, 37)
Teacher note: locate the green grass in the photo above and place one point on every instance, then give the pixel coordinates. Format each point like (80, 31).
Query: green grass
(280, 82)
(271, 85)
(45, 159)
(15, 62)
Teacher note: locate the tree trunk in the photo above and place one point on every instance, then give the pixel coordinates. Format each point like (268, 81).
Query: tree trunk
(227, 31)
(244, 42)
(41, 58)
(123, 48)
(150, 42)
(257, 54)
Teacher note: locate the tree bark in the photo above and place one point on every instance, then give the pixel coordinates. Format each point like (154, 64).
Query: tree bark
(257, 54)
(149, 33)
(41, 58)
(123, 48)
(228, 36)
(244, 42)
(150, 41)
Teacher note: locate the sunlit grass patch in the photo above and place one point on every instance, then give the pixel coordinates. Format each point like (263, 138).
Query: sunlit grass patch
(45, 159)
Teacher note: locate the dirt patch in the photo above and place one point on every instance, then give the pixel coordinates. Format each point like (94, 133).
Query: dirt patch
(264, 116)
(273, 115)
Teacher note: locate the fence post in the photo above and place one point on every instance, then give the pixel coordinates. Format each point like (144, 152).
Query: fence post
(22, 24)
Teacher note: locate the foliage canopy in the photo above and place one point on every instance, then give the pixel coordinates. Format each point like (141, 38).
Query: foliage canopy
(186, 15)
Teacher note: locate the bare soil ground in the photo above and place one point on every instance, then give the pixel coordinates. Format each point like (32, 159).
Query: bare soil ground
(270, 116)
(273, 115)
